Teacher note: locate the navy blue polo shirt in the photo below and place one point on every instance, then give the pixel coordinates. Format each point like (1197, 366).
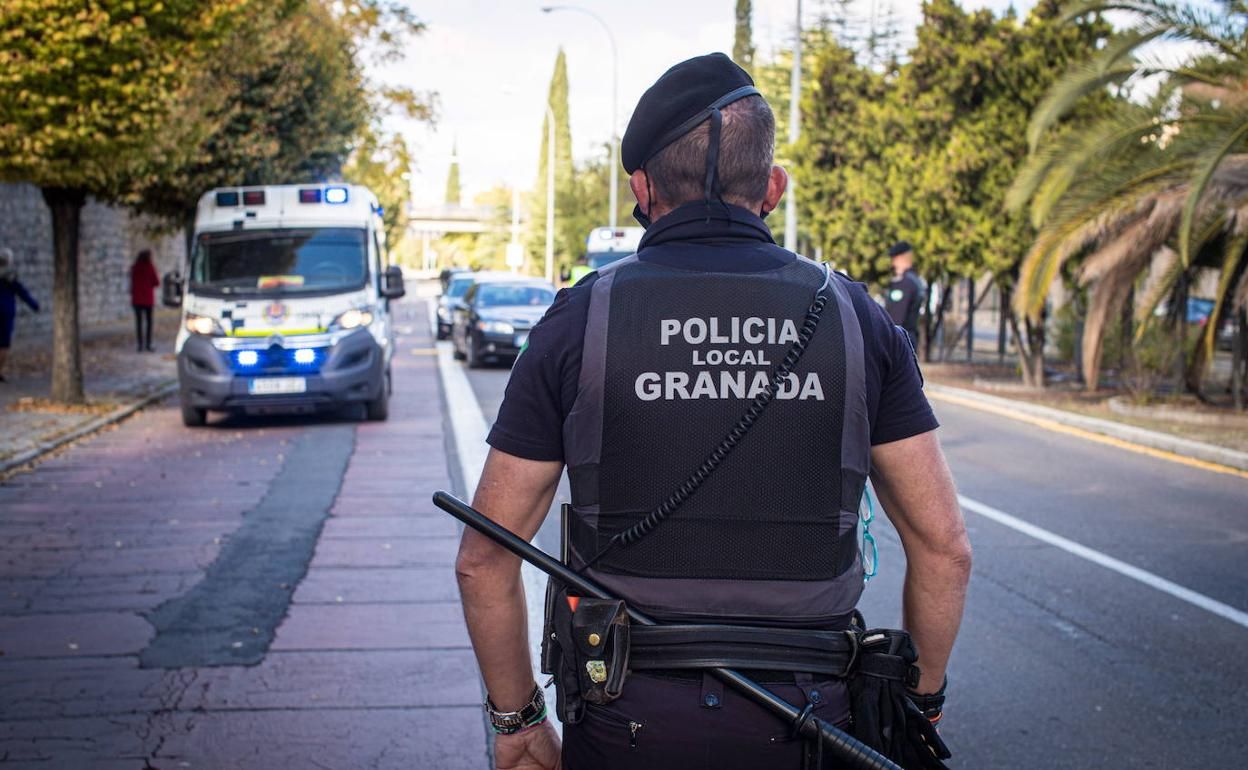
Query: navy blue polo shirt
(696, 237)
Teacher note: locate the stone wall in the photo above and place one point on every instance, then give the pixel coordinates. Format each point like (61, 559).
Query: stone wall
(109, 238)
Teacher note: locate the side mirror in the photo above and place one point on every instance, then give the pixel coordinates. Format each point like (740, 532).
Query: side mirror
(171, 290)
(392, 284)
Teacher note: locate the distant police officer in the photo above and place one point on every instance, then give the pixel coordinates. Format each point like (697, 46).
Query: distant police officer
(710, 342)
(906, 291)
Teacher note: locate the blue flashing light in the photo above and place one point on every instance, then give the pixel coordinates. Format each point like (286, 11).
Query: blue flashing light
(227, 198)
(248, 358)
(305, 356)
(335, 195)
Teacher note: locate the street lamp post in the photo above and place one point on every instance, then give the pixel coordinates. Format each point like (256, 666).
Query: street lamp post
(795, 126)
(615, 82)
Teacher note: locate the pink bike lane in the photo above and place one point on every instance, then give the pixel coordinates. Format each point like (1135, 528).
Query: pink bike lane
(275, 593)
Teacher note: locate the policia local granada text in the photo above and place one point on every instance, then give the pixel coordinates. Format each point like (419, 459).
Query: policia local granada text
(726, 342)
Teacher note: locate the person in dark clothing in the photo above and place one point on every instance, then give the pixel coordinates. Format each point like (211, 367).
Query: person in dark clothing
(629, 381)
(143, 283)
(906, 291)
(11, 290)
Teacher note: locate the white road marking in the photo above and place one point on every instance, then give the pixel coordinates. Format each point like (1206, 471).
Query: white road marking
(1206, 603)
(470, 429)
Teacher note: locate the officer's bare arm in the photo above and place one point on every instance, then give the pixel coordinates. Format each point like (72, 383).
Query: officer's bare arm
(917, 491)
(516, 493)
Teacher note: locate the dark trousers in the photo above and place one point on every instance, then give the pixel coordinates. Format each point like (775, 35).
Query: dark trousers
(684, 724)
(143, 326)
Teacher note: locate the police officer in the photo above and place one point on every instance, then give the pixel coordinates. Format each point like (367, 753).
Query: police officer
(906, 291)
(632, 381)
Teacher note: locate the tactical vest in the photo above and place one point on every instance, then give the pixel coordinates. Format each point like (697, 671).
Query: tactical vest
(671, 359)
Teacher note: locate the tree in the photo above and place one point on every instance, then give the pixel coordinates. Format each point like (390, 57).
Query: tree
(382, 163)
(281, 102)
(453, 195)
(1162, 177)
(85, 95)
(567, 238)
(926, 149)
(743, 36)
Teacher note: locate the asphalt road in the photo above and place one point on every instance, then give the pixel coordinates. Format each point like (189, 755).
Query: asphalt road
(1063, 663)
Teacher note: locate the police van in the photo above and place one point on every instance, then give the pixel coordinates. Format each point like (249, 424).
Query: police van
(604, 246)
(285, 301)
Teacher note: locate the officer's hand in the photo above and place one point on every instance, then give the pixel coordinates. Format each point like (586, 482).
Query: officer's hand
(537, 748)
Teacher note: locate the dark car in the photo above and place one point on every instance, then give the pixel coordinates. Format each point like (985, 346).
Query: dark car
(495, 317)
(450, 299)
(444, 277)
(453, 296)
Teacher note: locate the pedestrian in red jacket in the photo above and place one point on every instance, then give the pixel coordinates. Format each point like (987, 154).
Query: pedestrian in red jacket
(143, 283)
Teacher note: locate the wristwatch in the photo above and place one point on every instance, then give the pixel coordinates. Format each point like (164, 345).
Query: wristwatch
(508, 722)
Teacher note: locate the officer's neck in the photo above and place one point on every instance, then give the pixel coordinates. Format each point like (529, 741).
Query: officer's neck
(660, 210)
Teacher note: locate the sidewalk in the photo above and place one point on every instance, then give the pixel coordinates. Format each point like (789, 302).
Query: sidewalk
(274, 593)
(116, 379)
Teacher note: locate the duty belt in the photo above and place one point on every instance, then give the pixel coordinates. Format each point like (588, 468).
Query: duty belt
(833, 653)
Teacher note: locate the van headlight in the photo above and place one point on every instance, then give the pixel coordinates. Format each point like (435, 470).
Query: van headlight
(352, 319)
(206, 326)
(496, 327)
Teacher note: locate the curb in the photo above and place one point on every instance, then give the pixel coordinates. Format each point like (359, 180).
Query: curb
(103, 421)
(1198, 450)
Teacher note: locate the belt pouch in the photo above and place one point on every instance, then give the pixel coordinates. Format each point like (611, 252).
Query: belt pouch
(600, 634)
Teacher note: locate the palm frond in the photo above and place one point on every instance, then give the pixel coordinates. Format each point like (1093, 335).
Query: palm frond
(1130, 253)
(1080, 81)
(1232, 257)
(1203, 173)
(1166, 274)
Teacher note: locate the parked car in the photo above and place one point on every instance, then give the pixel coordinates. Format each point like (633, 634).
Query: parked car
(495, 317)
(444, 277)
(1199, 311)
(450, 299)
(453, 295)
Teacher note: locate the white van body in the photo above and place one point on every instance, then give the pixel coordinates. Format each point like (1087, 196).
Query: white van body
(285, 304)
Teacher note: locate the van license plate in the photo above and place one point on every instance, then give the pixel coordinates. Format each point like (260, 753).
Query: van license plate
(270, 386)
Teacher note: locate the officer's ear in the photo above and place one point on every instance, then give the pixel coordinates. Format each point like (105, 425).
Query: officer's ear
(637, 182)
(777, 183)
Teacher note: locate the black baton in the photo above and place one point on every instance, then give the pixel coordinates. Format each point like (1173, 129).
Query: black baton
(845, 748)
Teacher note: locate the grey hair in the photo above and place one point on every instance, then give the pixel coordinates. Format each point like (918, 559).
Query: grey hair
(8, 264)
(747, 148)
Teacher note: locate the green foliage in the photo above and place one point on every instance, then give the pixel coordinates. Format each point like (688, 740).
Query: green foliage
(86, 88)
(743, 36)
(454, 196)
(281, 102)
(568, 238)
(926, 149)
(382, 163)
(1166, 172)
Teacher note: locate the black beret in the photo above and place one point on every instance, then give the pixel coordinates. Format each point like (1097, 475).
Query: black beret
(685, 94)
(899, 248)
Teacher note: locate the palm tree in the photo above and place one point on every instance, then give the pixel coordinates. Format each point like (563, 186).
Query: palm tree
(1160, 179)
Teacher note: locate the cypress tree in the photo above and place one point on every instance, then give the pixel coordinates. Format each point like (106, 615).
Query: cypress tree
(453, 195)
(567, 242)
(743, 39)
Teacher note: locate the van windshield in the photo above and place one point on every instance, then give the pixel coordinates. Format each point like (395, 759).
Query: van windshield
(313, 260)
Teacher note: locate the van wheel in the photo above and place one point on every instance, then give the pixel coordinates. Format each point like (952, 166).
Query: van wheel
(194, 418)
(378, 409)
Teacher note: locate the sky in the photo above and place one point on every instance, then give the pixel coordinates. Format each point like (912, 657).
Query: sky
(490, 62)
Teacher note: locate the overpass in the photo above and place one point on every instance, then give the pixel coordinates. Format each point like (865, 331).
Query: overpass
(429, 223)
